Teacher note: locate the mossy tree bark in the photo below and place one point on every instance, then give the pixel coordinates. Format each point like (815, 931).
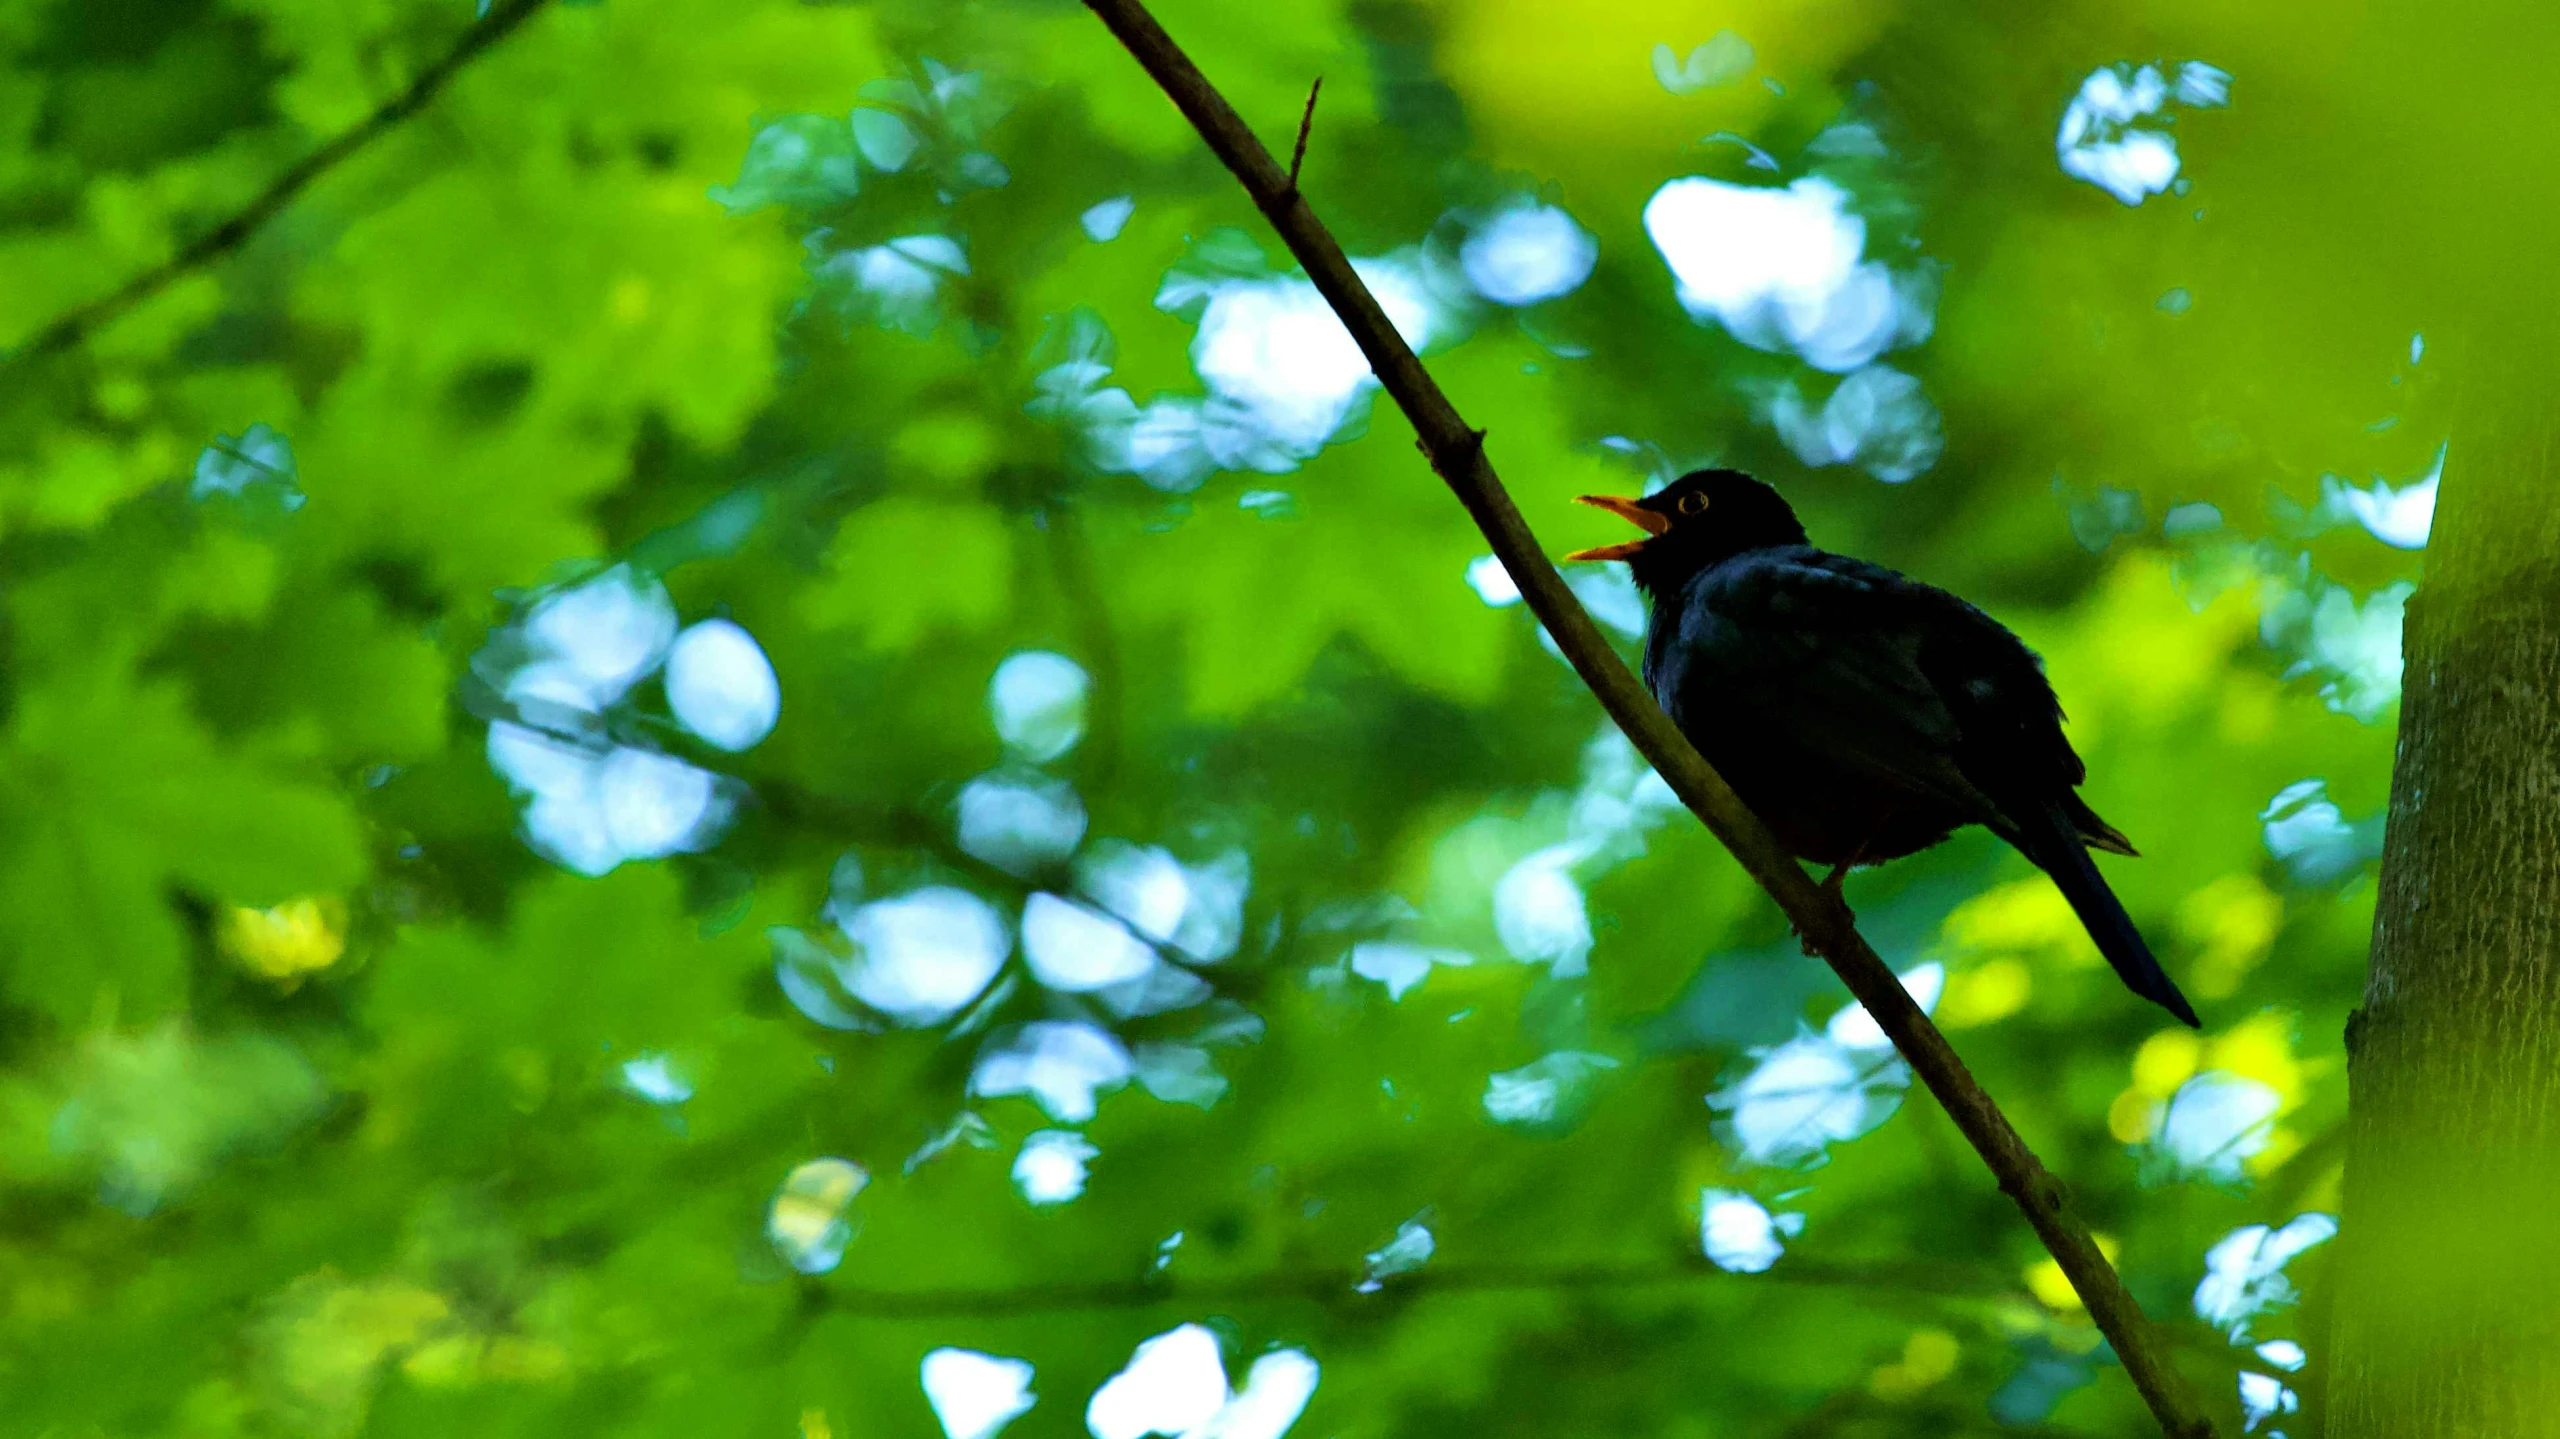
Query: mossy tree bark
(2448, 1286)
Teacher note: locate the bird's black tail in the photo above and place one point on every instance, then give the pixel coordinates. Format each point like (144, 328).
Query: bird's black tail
(2056, 847)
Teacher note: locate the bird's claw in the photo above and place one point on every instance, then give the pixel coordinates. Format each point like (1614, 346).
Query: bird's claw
(1830, 888)
(1812, 950)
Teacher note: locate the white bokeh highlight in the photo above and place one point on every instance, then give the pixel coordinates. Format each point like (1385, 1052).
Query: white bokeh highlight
(1783, 270)
(1492, 582)
(592, 809)
(1276, 1391)
(2401, 518)
(2244, 1271)
(1103, 221)
(2264, 1397)
(1074, 949)
(1877, 418)
(921, 957)
(1197, 910)
(2310, 836)
(1739, 1235)
(1401, 966)
(2114, 134)
(1050, 1167)
(902, 278)
(1410, 1249)
(975, 1395)
(721, 686)
(1173, 1385)
(2352, 646)
(1283, 376)
(1538, 911)
(593, 803)
(1179, 1074)
(1545, 1089)
(1061, 1064)
(604, 634)
(1163, 989)
(1020, 822)
(1807, 1094)
(655, 1078)
(2215, 1124)
(1176, 1385)
(810, 1220)
(1852, 1027)
(1037, 700)
(1528, 254)
(1276, 347)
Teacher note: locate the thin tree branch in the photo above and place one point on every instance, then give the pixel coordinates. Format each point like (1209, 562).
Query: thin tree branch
(794, 804)
(1332, 1288)
(1456, 451)
(76, 324)
(1071, 562)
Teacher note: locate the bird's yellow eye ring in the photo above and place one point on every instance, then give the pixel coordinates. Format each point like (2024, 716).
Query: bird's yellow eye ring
(1693, 504)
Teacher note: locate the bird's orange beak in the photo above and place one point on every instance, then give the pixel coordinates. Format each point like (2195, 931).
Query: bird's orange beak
(1625, 509)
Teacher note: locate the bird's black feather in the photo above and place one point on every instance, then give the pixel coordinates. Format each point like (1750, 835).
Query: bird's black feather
(1862, 714)
(2048, 838)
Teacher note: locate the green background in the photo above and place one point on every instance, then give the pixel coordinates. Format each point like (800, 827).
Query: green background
(314, 1109)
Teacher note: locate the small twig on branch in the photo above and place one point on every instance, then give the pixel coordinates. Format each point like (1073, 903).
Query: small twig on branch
(77, 323)
(1306, 122)
(1457, 453)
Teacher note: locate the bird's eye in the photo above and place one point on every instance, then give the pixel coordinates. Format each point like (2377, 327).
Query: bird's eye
(1693, 503)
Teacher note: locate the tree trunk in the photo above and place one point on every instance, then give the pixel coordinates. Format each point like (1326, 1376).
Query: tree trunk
(2448, 1282)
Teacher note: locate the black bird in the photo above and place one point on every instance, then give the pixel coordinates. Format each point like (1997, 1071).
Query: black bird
(1862, 714)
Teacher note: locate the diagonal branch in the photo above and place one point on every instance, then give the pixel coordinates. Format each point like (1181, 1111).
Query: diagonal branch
(76, 324)
(1456, 451)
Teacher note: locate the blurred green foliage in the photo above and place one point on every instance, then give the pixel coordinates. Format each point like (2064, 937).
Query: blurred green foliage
(427, 1001)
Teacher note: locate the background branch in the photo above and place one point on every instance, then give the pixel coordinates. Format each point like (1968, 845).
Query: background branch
(1089, 615)
(1456, 451)
(76, 324)
(1333, 1287)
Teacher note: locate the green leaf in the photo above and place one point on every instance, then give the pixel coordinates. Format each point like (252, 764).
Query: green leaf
(114, 796)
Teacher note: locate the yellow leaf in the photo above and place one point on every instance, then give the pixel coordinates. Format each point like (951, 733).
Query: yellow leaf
(283, 944)
(1566, 90)
(2134, 1116)
(1985, 993)
(2260, 1048)
(2233, 923)
(2165, 1061)
(2029, 917)
(1927, 1357)
(2047, 1282)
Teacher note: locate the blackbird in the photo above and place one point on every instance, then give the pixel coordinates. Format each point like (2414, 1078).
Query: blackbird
(1862, 714)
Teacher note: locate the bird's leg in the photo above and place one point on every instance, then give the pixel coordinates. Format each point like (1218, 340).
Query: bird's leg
(1831, 887)
(1839, 875)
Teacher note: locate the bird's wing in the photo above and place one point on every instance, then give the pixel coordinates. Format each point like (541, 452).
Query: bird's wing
(1824, 653)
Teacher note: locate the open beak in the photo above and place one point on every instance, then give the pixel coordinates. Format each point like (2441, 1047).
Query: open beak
(1625, 509)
